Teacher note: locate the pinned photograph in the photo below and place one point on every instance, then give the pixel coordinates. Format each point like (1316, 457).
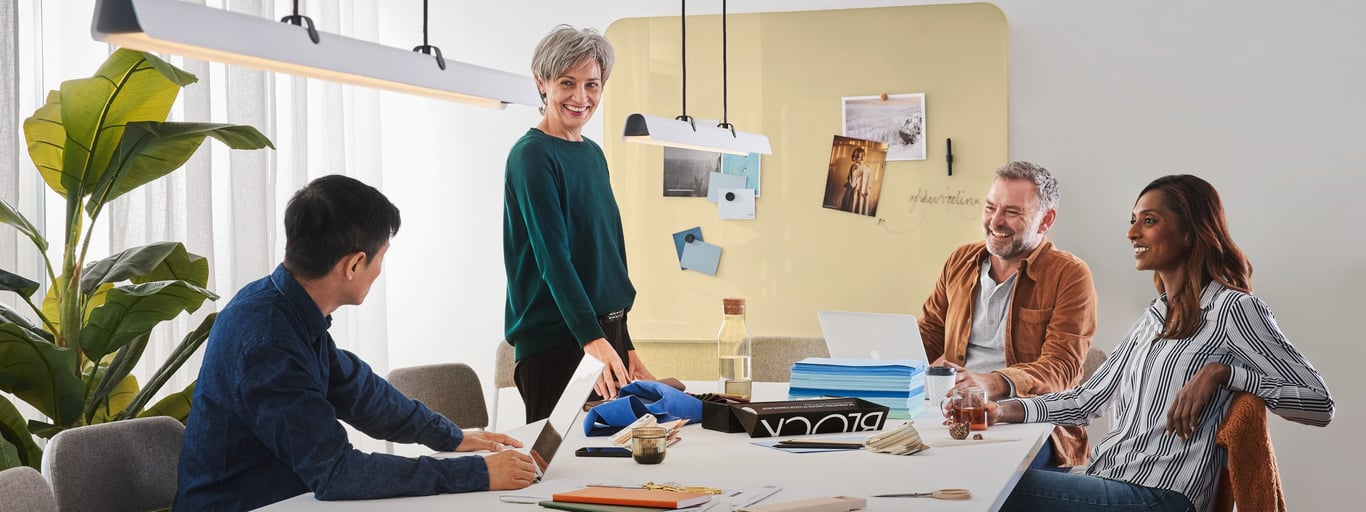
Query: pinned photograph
(747, 166)
(897, 120)
(688, 171)
(853, 182)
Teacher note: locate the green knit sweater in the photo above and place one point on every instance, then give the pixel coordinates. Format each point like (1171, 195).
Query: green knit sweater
(562, 244)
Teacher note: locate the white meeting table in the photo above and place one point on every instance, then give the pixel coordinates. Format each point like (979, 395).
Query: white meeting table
(705, 457)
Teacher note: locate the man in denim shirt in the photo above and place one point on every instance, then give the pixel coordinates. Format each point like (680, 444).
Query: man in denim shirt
(273, 383)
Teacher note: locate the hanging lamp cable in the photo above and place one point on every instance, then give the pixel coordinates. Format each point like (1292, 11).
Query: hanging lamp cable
(302, 21)
(725, 100)
(683, 29)
(427, 48)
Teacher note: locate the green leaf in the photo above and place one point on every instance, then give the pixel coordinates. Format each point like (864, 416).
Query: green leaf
(132, 311)
(9, 315)
(187, 347)
(176, 405)
(161, 261)
(40, 373)
(9, 455)
(16, 283)
(131, 86)
(51, 305)
(14, 431)
(43, 430)
(111, 383)
(10, 215)
(150, 150)
(46, 139)
(119, 397)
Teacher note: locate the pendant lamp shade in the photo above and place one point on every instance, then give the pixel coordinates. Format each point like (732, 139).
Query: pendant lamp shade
(685, 132)
(206, 33)
(702, 135)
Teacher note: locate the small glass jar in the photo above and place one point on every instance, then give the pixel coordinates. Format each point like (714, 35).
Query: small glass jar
(648, 444)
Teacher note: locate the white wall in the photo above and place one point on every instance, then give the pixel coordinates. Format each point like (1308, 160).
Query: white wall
(1262, 98)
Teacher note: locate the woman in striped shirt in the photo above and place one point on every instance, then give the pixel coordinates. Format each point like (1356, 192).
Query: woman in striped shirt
(1171, 379)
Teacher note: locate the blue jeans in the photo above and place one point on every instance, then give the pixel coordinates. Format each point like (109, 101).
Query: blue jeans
(1067, 492)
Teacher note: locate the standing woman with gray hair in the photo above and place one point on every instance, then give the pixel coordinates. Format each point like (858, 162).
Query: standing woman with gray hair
(568, 290)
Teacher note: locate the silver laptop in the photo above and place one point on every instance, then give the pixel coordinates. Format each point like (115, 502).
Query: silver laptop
(860, 335)
(545, 436)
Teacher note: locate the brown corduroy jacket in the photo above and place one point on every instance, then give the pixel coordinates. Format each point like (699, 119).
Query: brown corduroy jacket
(1049, 326)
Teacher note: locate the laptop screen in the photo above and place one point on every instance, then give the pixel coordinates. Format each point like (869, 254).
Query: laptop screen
(860, 335)
(545, 436)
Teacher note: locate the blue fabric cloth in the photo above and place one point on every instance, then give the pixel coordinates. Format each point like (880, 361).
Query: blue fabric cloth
(1075, 492)
(638, 399)
(264, 426)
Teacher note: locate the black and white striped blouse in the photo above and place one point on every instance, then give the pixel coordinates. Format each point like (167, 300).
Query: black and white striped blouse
(1143, 376)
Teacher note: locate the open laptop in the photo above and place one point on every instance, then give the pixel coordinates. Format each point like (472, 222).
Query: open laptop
(545, 436)
(860, 335)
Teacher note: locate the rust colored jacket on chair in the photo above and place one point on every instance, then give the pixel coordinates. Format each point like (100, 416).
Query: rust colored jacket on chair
(1048, 328)
(1251, 479)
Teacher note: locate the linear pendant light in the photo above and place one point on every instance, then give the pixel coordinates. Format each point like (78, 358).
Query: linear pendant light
(206, 33)
(683, 131)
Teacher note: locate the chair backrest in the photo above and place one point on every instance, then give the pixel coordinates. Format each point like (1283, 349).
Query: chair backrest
(773, 356)
(503, 365)
(450, 389)
(119, 466)
(23, 489)
(1094, 358)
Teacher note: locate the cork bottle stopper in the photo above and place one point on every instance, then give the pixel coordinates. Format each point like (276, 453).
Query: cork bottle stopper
(734, 305)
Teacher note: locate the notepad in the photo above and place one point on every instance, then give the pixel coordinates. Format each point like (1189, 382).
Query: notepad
(634, 497)
(598, 507)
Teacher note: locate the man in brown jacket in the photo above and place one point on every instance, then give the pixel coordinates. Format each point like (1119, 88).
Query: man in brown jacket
(1012, 314)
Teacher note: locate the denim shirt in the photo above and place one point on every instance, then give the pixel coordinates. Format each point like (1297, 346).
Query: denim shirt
(264, 422)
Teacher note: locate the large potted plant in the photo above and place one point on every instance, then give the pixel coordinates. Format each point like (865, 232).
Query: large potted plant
(71, 356)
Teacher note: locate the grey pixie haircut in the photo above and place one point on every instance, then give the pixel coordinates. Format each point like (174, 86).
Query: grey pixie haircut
(566, 46)
(1044, 184)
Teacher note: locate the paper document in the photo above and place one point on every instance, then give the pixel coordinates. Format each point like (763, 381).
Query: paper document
(719, 182)
(736, 204)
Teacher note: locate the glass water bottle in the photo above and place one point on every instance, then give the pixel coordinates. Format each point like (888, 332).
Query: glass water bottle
(733, 350)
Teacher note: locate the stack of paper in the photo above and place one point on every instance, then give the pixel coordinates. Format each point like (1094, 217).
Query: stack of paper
(902, 440)
(898, 384)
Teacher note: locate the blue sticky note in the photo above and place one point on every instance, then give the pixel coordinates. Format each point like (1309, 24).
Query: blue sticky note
(681, 239)
(702, 257)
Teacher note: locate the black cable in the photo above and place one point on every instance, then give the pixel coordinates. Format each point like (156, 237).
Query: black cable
(725, 119)
(683, 27)
(302, 21)
(428, 48)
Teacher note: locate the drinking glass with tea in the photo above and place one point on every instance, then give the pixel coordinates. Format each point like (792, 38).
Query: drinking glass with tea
(973, 408)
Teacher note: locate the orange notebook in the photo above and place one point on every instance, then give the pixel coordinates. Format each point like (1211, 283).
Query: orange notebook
(634, 497)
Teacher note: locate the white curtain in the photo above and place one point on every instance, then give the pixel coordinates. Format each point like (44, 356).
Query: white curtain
(9, 131)
(224, 204)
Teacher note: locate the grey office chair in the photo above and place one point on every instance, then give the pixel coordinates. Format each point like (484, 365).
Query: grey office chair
(1094, 358)
(451, 390)
(773, 356)
(503, 366)
(23, 489)
(1100, 426)
(123, 466)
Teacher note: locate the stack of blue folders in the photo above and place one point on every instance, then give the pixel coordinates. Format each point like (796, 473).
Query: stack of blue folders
(898, 384)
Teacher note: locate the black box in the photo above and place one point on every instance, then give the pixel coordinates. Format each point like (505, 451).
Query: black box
(795, 417)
